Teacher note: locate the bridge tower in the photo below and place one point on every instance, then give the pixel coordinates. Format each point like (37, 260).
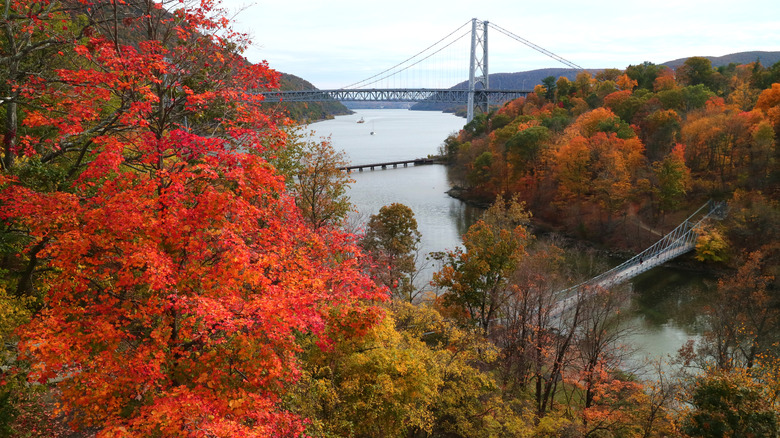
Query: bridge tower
(478, 69)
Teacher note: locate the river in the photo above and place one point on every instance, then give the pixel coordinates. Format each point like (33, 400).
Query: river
(663, 297)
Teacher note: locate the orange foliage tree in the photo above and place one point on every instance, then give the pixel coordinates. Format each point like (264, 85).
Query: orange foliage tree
(601, 162)
(180, 279)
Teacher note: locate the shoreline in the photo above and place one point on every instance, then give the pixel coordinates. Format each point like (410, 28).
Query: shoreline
(685, 262)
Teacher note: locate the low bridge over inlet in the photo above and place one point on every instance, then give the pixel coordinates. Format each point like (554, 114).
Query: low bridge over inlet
(394, 164)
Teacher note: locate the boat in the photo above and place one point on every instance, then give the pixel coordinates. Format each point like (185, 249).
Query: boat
(361, 120)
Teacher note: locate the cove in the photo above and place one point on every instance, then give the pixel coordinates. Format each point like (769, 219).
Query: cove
(665, 299)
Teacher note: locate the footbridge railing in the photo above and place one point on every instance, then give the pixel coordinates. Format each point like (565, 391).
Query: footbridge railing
(678, 242)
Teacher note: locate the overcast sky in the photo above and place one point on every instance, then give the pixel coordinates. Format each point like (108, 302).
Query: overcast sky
(337, 42)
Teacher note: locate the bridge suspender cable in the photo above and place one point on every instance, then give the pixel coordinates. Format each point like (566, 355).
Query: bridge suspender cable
(535, 47)
(363, 82)
(410, 65)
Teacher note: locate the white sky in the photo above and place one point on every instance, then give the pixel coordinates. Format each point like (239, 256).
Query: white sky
(337, 42)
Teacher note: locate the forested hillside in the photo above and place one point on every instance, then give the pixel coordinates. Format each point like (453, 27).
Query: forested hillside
(527, 80)
(175, 260)
(304, 112)
(595, 155)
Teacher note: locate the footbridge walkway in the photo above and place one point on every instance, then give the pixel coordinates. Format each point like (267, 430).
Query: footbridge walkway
(678, 242)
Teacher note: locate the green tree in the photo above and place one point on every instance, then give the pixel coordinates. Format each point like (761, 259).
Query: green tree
(697, 70)
(645, 74)
(393, 241)
(673, 179)
(730, 404)
(549, 85)
(476, 279)
(481, 169)
(526, 145)
(696, 96)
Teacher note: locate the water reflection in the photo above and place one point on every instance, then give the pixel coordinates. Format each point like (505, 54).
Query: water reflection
(666, 300)
(672, 296)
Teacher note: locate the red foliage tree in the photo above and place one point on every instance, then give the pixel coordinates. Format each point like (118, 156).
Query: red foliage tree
(181, 278)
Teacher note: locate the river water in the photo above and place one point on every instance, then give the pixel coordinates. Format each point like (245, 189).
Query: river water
(665, 298)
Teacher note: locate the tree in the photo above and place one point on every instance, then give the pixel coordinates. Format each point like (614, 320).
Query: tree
(730, 404)
(697, 70)
(645, 74)
(739, 336)
(660, 130)
(583, 84)
(321, 186)
(392, 240)
(626, 83)
(711, 245)
(476, 280)
(673, 179)
(598, 344)
(382, 384)
(769, 103)
(33, 34)
(599, 167)
(563, 87)
(469, 402)
(535, 340)
(549, 86)
(527, 144)
(180, 278)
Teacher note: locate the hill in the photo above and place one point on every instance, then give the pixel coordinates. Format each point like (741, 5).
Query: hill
(307, 111)
(767, 59)
(527, 80)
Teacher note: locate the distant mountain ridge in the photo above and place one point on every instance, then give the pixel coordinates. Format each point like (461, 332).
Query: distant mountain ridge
(525, 80)
(767, 59)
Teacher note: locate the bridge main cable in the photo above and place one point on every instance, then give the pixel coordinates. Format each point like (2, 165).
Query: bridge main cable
(358, 83)
(535, 47)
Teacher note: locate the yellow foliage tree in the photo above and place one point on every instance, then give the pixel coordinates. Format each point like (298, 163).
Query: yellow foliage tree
(380, 385)
(711, 245)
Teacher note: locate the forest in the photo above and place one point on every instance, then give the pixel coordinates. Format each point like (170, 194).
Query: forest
(175, 259)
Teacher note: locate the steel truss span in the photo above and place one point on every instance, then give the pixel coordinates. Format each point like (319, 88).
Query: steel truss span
(394, 95)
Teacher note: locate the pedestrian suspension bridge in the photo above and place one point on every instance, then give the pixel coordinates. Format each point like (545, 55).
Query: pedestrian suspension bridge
(476, 94)
(676, 243)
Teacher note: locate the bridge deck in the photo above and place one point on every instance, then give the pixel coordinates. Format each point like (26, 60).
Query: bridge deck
(443, 95)
(405, 163)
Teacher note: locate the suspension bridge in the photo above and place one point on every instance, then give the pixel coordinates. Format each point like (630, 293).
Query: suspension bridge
(674, 244)
(477, 95)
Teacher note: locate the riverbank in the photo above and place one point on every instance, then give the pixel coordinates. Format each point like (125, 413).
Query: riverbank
(539, 227)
